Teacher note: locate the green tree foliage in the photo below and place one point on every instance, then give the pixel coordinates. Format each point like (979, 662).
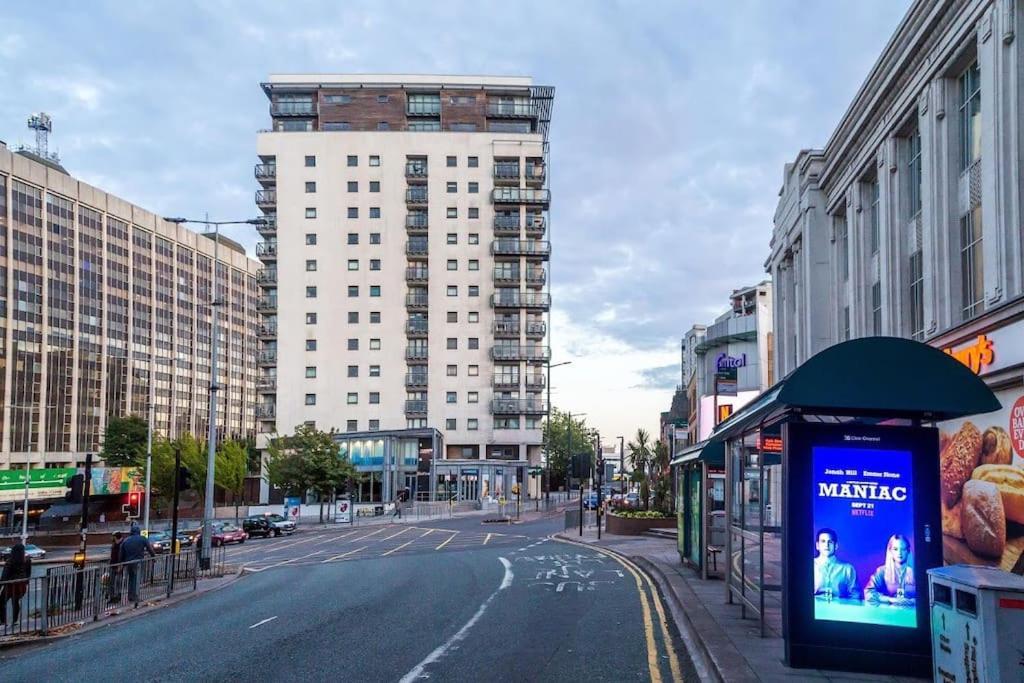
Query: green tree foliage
(124, 442)
(193, 457)
(308, 461)
(557, 430)
(661, 477)
(231, 466)
(640, 454)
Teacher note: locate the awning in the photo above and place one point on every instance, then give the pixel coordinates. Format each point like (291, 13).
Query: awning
(872, 376)
(709, 452)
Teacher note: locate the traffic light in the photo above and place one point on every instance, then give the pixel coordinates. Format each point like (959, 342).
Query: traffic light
(133, 508)
(75, 484)
(183, 479)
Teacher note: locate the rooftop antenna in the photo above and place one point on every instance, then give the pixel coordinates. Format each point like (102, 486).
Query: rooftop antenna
(42, 124)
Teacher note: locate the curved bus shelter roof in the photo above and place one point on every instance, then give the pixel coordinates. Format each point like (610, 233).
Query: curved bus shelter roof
(880, 377)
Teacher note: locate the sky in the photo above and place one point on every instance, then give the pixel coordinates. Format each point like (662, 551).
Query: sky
(672, 122)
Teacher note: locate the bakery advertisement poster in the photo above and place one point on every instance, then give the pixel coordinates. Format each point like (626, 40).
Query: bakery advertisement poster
(981, 463)
(863, 526)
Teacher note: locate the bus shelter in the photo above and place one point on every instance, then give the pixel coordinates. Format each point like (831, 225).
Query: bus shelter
(700, 507)
(832, 497)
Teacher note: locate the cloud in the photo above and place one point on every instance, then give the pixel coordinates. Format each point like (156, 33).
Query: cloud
(660, 377)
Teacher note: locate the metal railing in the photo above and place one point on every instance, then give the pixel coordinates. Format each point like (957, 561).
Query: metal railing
(292, 108)
(266, 249)
(423, 108)
(416, 327)
(266, 171)
(416, 220)
(266, 197)
(416, 169)
(512, 109)
(517, 247)
(520, 195)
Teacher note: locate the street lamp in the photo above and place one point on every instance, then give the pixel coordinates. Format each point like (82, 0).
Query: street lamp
(622, 463)
(211, 438)
(547, 457)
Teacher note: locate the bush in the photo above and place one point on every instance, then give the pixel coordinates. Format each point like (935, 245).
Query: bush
(641, 514)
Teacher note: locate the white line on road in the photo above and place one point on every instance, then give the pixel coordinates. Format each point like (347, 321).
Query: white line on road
(417, 672)
(351, 552)
(396, 549)
(260, 623)
(398, 534)
(454, 534)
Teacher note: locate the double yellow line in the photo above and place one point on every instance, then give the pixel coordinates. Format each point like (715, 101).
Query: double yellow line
(652, 647)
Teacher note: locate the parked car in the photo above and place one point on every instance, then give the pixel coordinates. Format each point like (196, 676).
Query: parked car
(223, 533)
(161, 541)
(590, 500)
(185, 539)
(268, 524)
(33, 552)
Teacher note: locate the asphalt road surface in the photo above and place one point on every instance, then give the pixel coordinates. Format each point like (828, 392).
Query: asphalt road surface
(452, 601)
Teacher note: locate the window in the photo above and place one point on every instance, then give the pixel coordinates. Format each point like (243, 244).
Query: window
(353, 160)
(509, 126)
(310, 399)
(310, 238)
(353, 344)
(452, 343)
(876, 308)
(352, 398)
(301, 125)
(506, 423)
(382, 125)
(311, 318)
(310, 264)
(310, 187)
(971, 262)
(374, 158)
(474, 212)
(970, 116)
(474, 370)
(843, 248)
(449, 423)
(374, 212)
(353, 212)
(474, 290)
(374, 186)
(472, 424)
(453, 188)
(874, 226)
(311, 371)
(474, 343)
(453, 264)
(374, 371)
(374, 397)
(474, 316)
(353, 264)
(353, 290)
(375, 344)
(337, 99)
(474, 264)
(916, 296)
(914, 174)
(474, 238)
(374, 317)
(451, 162)
(846, 323)
(463, 127)
(336, 125)
(311, 292)
(374, 238)
(310, 161)
(375, 264)
(353, 371)
(452, 212)
(474, 162)
(351, 425)
(452, 238)
(424, 126)
(451, 371)
(534, 423)
(474, 188)
(453, 317)
(452, 290)
(374, 290)
(462, 100)
(353, 186)
(473, 397)
(451, 397)
(311, 344)
(310, 212)
(353, 238)
(374, 425)
(353, 317)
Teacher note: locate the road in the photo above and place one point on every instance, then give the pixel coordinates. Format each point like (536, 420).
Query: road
(452, 601)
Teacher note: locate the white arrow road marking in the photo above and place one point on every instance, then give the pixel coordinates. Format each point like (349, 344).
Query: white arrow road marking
(260, 623)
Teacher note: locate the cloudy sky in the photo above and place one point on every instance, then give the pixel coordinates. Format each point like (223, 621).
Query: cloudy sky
(672, 122)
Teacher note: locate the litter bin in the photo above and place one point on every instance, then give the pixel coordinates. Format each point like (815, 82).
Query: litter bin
(977, 616)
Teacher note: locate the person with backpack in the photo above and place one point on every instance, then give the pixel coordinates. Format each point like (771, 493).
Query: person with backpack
(16, 573)
(114, 570)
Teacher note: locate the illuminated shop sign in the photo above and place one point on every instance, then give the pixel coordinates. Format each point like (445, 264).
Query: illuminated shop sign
(725, 361)
(977, 355)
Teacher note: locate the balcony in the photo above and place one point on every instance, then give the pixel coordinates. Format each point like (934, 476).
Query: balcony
(267, 303)
(416, 379)
(266, 251)
(268, 228)
(511, 109)
(266, 276)
(416, 274)
(537, 381)
(521, 300)
(416, 328)
(266, 199)
(527, 352)
(506, 224)
(416, 170)
(517, 406)
(423, 108)
(416, 352)
(416, 196)
(506, 381)
(536, 329)
(506, 171)
(266, 411)
(535, 172)
(506, 275)
(536, 276)
(266, 384)
(521, 195)
(506, 328)
(266, 330)
(267, 357)
(513, 247)
(535, 224)
(416, 407)
(416, 222)
(416, 301)
(293, 108)
(416, 248)
(266, 174)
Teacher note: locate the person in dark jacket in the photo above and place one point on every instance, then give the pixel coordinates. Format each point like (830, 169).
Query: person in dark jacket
(114, 572)
(16, 573)
(131, 553)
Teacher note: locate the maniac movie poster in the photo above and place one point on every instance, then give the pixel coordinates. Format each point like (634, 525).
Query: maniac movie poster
(863, 513)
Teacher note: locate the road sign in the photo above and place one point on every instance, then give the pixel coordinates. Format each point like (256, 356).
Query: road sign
(535, 471)
(343, 511)
(42, 483)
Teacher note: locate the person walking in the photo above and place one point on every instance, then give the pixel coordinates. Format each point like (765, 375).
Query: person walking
(16, 573)
(398, 508)
(114, 569)
(131, 553)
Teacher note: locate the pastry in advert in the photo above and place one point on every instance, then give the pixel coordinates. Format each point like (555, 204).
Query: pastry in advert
(1010, 482)
(995, 447)
(958, 460)
(951, 517)
(984, 521)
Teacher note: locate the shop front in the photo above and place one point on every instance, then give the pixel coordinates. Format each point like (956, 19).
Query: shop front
(390, 462)
(700, 503)
(460, 480)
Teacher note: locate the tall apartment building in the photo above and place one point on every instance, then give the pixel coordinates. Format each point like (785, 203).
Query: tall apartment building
(104, 305)
(404, 267)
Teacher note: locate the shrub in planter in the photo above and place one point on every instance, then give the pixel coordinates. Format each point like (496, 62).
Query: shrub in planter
(642, 514)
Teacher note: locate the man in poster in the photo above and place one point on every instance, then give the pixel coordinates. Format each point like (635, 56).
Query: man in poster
(832, 577)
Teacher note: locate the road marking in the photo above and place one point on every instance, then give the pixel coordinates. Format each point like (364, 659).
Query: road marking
(395, 550)
(337, 538)
(351, 552)
(260, 623)
(417, 671)
(388, 538)
(426, 533)
(372, 533)
(454, 534)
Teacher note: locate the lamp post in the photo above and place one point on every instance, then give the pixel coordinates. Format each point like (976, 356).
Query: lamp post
(547, 433)
(211, 438)
(622, 463)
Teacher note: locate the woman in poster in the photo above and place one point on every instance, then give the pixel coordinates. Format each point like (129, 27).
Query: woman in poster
(893, 582)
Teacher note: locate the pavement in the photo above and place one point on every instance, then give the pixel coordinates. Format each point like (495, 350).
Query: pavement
(723, 645)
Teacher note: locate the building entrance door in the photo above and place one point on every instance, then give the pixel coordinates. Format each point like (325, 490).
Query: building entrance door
(469, 485)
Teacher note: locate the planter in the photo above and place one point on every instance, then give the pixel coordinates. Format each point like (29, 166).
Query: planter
(627, 526)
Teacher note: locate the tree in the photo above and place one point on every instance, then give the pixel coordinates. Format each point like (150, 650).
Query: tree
(232, 464)
(193, 456)
(557, 429)
(124, 442)
(309, 460)
(639, 459)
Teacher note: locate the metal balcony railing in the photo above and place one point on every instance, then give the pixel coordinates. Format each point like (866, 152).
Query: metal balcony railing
(266, 383)
(511, 109)
(520, 195)
(266, 276)
(506, 223)
(506, 170)
(520, 352)
(266, 303)
(416, 195)
(416, 407)
(266, 330)
(293, 108)
(536, 276)
(416, 327)
(266, 411)
(416, 247)
(521, 300)
(416, 169)
(416, 274)
(268, 228)
(507, 327)
(517, 406)
(506, 275)
(416, 222)
(266, 249)
(416, 353)
(423, 108)
(265, 171)
(267, 357)
(416, 379)
(416, 300)
(521, 247)
(506, 381)
(535, 381)
(535, 224)
(535, 172)
(538, 329)
(266, 198)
